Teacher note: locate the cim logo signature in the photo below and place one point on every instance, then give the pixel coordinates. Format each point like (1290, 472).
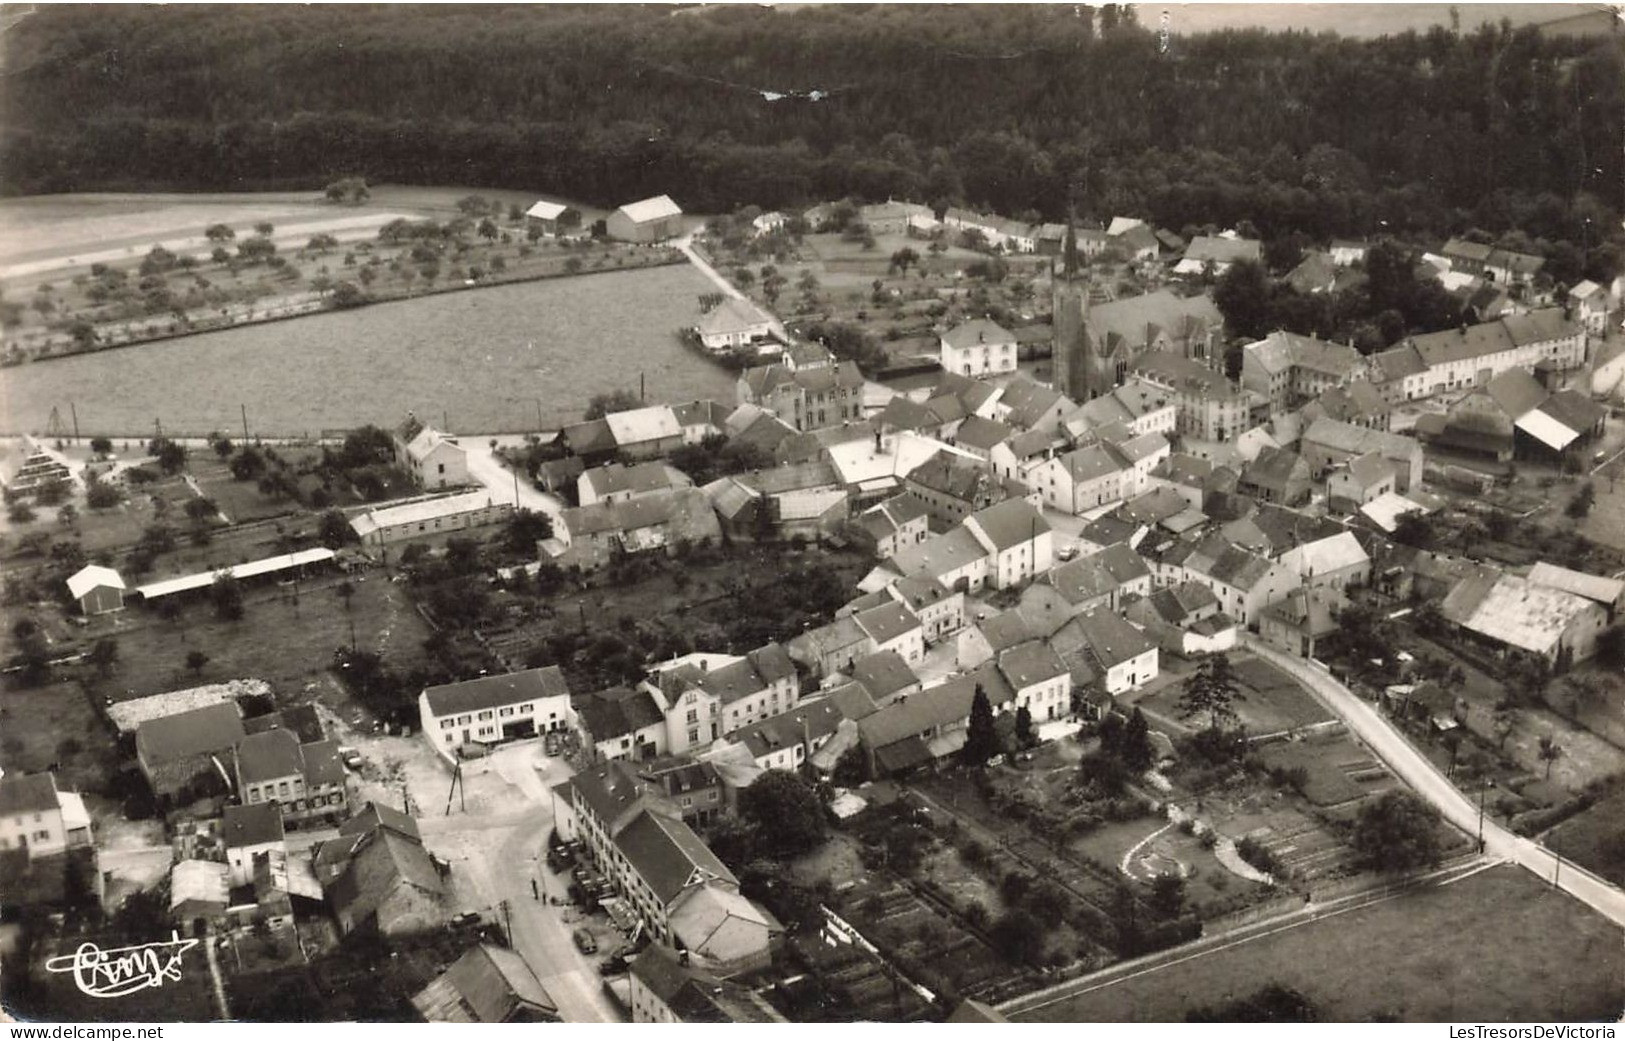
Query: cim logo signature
(117, 971)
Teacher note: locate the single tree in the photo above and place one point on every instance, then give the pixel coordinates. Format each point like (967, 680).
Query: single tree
(264, 227)
(103, 656)
(786, 811)
(227, 596)
(1581, 504)
(1396, 832)
(1211, 689)
(334, 530)
(171, 456)
(601, 405)
(1024, 728)
(981, 739)
(1550, 752)
(101, 445)
(345, 592)
(219, 233)
(247, 464)
(195, 660)
(1168, 894)
(1135, 746)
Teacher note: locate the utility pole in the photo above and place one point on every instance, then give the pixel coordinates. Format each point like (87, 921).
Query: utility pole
(456, 786)
(507, 925)
(244, 408)
(1481, 792)
(75, 414)
(640, 387)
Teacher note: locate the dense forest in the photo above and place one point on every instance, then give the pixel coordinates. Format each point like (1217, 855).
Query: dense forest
(1016, 108)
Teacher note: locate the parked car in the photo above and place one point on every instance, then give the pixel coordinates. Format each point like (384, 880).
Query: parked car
(466, 918)
(584, 941)
(350, 756)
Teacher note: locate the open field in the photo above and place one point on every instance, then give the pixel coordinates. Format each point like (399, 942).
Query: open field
(1496, 946)
(84, 259)
(282, 640)
(36, 726)
(543, 348)
(1270, 700)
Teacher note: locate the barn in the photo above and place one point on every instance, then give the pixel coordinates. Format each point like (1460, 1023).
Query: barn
(97, 589)
(553, 218)
(651, 220)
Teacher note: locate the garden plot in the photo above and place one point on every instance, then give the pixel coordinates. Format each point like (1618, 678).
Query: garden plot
(1335, 772)
(899, 920)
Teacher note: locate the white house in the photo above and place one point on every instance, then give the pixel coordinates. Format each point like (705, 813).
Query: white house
(493, 709)
(1590, 302)
(979, 347)
(36, 817)
(895, 628)
(1041, 680)
(1081, 480)
(732, 324)
(1018, 541)
(1126, 658)
(433, 459)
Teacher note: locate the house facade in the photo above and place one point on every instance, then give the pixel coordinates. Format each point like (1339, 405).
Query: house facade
(494, 709)
(980, 347)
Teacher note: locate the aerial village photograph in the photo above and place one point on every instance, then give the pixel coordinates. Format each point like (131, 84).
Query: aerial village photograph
(812, 513)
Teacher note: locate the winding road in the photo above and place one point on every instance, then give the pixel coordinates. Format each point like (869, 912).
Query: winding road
(1425, 779)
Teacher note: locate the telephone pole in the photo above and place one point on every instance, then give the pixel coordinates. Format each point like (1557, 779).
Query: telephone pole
(244, 408)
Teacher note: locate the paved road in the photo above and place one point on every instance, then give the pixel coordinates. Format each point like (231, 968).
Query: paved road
(487, 469)
(494, 858)
(1426, 780)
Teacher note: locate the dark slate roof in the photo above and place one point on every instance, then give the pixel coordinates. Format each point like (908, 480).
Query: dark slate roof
(1010, 523)
(887, 622)
(884, 674)
(377, 815)
(268, 756)
(1111, 639)
(30, 793)
(493, 691)
(494, 985)
(617, 712)
(251, 825)
(382, 860)
(810, 721)
(852, 700)
(983, 433)
(608, 789)
(211, 729)
(323, 764)
(667, 854)
(975, 331)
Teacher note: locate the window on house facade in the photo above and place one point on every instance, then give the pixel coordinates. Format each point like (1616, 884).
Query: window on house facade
(505, 712)
(527, 709)
(486, 714)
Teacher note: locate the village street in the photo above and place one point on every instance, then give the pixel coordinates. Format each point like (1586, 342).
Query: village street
(1426, 780)
(486, 468)
(496, 849)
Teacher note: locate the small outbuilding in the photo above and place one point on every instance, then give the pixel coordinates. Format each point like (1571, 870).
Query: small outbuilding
(97, 589)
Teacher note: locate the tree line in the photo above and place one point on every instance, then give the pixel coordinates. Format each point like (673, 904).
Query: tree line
(1017, 109)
